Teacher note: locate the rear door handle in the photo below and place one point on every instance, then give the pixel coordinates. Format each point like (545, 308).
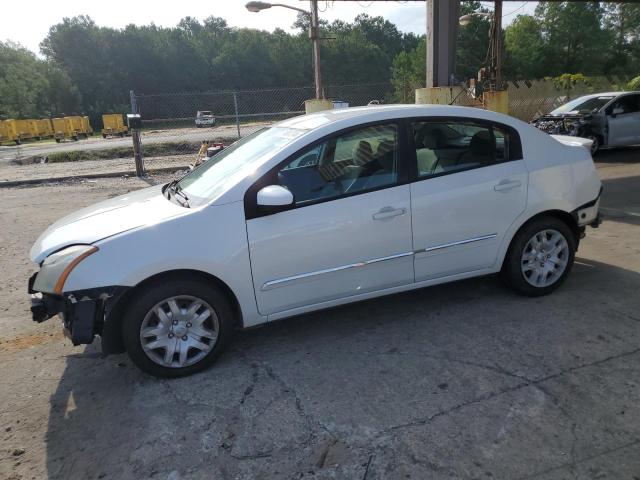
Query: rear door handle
(389, 212)
(506, 185)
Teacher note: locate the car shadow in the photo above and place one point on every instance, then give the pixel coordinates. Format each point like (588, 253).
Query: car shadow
(618, 155)
(280, 391)
(621, 199)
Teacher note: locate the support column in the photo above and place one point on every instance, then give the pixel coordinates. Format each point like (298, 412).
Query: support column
(442, 30)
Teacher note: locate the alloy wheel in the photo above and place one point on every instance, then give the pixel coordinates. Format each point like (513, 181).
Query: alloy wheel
(179, 331)
(545, 258)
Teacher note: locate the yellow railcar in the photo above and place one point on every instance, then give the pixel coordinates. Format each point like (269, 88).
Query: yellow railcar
(4, 133)
(45, 128)
(24, 129)
(86, 126)
(63, 129)
(113, 124)
(33, 127)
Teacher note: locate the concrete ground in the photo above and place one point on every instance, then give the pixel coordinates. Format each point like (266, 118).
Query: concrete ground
(465, 380)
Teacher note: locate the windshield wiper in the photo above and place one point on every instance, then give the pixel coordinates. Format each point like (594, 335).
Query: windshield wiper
(174, 188)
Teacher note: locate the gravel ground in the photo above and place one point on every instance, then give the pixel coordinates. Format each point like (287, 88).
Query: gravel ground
(228, 133)
(40, 171)
(460, 381)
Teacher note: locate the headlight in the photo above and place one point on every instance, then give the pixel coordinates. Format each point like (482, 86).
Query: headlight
(57, 267)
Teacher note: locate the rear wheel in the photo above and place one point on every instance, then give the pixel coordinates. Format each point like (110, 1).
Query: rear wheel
(174, 329)
(540, 257)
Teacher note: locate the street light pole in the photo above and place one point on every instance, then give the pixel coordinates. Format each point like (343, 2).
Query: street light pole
(314, 33)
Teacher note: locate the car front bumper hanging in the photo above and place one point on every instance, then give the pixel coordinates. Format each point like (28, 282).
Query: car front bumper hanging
(82, 312)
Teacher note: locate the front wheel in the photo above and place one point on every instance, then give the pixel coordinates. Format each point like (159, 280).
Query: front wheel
(540, 257)
(595, 145)
(174, 329)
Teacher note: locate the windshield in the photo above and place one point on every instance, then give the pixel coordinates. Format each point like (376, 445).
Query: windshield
(581, 105)
(234, 163)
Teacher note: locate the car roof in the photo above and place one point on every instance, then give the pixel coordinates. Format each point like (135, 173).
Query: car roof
(605, 94)
(372, 113)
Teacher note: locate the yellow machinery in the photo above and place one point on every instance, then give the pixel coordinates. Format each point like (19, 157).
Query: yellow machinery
(9, 131)
(63, 129)
(59, 128)
(86, 126)
(71, 128)
(76, 124)
(32, 126)
(45, 129)
(24, 129)
(113, 125)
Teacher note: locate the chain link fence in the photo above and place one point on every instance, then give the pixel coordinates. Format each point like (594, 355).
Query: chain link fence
(169, 119)
(170, 133)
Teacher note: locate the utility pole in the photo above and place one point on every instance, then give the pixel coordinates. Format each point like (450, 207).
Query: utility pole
(497, 25)
(314, 35)
(134, 122)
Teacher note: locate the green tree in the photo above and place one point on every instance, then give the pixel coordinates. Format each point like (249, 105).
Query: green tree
(409, 72)
(524, 49)
(575, 37)
(22, 82)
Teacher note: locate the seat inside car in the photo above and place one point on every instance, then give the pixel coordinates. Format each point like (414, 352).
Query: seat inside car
(482, 150)
(428, 141)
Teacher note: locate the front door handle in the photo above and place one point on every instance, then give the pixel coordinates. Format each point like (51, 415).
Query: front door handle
(506, 185)
(389, 212)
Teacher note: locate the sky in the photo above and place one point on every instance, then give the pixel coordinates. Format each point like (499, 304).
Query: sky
(29, 26)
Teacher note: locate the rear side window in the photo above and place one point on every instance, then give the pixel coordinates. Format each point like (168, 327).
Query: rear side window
(448, 147)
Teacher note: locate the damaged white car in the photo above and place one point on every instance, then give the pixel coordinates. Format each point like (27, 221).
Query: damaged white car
(313, 212)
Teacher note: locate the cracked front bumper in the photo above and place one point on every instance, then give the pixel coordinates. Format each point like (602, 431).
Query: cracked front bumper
(83, 312)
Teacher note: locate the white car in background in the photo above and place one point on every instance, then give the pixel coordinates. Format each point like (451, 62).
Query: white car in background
(204, 118)
(607, 119)
(313, 212)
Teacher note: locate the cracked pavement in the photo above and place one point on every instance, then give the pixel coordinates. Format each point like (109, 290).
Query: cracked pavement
(458, 381)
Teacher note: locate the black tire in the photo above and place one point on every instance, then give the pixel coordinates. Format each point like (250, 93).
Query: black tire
(104, 135)
(595, 146)
(57, 140)
(512, 273)
(156, 292)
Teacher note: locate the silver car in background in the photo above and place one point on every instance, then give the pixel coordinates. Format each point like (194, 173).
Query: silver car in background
(608, 119)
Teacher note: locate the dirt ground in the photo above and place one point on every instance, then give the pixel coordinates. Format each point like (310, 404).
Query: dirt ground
(461, 381)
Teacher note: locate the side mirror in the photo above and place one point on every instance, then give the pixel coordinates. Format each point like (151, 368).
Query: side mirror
(274, 198)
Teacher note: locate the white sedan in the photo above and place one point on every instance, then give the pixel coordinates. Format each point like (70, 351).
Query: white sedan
(313, 212)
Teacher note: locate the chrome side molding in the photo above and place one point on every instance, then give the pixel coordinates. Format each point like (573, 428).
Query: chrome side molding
(279, 282)
(453, 244)
(270, 285)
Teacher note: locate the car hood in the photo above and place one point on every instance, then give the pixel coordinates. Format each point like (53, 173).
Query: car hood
(105, 219)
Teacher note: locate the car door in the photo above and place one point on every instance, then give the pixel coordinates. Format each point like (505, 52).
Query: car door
(623, 119)
(349, 229)
(470, 185)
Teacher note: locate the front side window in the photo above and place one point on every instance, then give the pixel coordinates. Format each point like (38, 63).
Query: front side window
(235, 162)
(354, 162)
(627, 104)
(446, 147)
